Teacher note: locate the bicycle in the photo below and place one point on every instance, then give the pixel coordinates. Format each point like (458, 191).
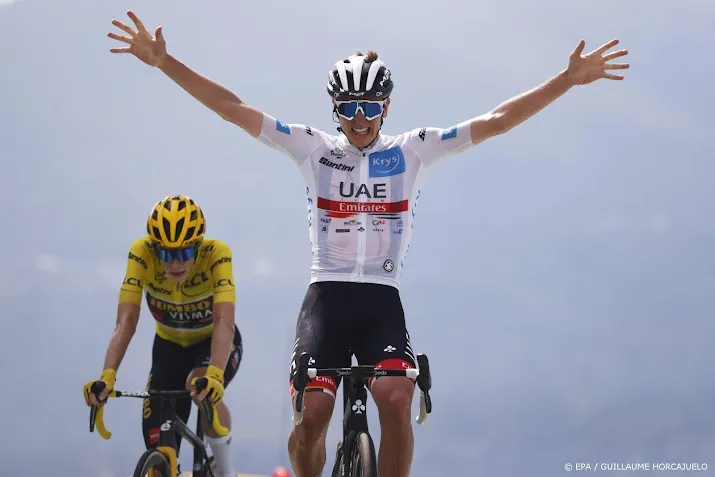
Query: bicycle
(162, 461)
(355, 455)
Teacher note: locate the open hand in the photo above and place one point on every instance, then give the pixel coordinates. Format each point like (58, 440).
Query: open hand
(151, 50)
(585, 69)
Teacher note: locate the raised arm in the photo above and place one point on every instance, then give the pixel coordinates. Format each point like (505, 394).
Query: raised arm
(152, 51)
(582, 69)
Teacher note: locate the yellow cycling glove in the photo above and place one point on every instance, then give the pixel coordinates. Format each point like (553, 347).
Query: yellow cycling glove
(108, 377)
(214, 383)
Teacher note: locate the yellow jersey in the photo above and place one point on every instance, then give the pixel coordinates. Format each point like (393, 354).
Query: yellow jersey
(183, 311)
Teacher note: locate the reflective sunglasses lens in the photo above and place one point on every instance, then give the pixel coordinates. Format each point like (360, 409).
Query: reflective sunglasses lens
(187, 254)
(371, 110)
(348, 110)
(181, 254)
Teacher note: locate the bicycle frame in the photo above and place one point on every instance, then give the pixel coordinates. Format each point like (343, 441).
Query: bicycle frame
(172, 425)
(355, 396)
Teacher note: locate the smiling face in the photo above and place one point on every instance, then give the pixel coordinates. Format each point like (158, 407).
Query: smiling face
(360, 131)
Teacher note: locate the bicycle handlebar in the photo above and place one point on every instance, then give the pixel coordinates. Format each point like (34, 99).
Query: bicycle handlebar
(304, 374)
(96, 414)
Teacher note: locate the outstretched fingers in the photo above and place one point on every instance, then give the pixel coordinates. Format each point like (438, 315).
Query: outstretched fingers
(615, 54)
(121, 38)
(579, 49)
(612, 77)
(120, 50)
(606, 46)
(615, 66)
(124, 28)
(138, 23)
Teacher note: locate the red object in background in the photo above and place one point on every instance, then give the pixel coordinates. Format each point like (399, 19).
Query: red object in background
(281, 472)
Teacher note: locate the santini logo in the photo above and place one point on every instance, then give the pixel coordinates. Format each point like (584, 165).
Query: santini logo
(339, 167)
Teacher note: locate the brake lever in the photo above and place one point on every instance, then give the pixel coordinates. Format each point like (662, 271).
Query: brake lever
(96, 388)
(300, 382)
(92, 417)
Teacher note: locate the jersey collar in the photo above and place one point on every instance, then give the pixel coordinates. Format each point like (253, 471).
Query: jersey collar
(345, 144)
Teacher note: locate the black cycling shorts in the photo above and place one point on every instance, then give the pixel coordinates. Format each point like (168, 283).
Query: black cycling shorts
(341, 319)
(170, 367)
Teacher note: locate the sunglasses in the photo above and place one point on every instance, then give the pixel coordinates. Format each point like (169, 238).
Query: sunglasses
(180, 254)
(370, 109)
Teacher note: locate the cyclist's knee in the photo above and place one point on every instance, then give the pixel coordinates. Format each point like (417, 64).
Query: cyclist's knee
(317, 410)
(393, 397)
(195, 373)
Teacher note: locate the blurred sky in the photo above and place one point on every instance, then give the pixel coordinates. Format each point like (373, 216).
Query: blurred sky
(560, 277)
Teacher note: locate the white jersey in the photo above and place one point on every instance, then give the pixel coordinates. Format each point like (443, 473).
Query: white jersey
(361, 203)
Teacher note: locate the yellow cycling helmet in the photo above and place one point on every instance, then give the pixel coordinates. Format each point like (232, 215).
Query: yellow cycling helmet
(176, 222)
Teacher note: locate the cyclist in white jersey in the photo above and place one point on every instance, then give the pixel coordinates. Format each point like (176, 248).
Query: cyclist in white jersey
(362, 188)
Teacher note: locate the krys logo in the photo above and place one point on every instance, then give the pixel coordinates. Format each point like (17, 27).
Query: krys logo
(386, 163)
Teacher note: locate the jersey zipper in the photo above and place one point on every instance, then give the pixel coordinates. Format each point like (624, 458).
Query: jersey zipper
(362, 236)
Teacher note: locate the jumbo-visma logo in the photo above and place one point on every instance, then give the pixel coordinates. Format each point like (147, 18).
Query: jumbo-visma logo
(386, 163)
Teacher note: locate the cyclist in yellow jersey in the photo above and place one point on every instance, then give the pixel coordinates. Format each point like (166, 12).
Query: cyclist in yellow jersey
(188, 282)
(362, 189)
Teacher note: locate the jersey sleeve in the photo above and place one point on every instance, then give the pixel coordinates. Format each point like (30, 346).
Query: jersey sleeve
(295, 140)
(432, 144)
(136, 273)
(221, 270)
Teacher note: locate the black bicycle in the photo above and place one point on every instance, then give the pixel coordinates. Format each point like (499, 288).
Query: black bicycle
(355, 455)
(162, 461)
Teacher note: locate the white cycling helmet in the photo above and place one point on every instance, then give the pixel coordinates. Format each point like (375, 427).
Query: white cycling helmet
(356, 78)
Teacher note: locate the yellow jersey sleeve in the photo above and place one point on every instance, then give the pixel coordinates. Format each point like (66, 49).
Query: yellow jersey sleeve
(221, 270)
(135, 276)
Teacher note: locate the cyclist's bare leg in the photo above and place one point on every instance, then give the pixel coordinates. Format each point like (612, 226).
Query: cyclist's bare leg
(393, 397)
(219, 445)
(224, 416)
(306, 444)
